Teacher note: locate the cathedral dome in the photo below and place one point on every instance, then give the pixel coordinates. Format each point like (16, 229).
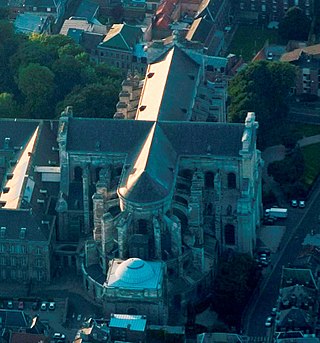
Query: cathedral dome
(134, 270)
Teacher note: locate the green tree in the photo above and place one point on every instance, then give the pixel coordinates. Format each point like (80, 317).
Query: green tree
(9, 44)
(236, 278)
(8, 106)
(294, 25)
(288, 171)
(67, 74)
(94, 101)
(36, 83)
(262, 88)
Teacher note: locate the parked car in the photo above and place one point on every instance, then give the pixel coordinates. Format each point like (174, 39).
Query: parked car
(294, 203)
(268, 221)
(302, 204)
(79, 317)
(43, 306)
(59, 337)
(10, 304)
(268, 322)
(35, 305)
(20, 305)
(52, 305)
(274, 311)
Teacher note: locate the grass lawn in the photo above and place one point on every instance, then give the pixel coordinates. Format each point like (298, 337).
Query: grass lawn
(305, 130)
(275, 133)
(311, 155)
(249, 39)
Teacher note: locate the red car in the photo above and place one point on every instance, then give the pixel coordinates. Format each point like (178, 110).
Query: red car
(20, 305)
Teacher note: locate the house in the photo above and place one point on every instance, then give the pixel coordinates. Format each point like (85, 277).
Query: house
(29, 23)
(307, 59)
(118, 46)
(268, 10)
(30, 178)
(49, 7)
(88, 35)
(298, 303)
(132, 328)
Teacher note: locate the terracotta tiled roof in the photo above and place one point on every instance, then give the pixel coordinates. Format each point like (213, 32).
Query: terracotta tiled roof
(295, 54)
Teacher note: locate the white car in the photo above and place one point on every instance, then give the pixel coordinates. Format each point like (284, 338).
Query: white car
(268, 322)
(294, 203)
(302, 204)
(52, 305)
(43, 306)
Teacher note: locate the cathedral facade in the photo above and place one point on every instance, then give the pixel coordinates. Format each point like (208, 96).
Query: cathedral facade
(158, 197)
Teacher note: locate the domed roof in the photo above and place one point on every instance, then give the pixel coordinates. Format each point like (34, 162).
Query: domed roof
(134, 270)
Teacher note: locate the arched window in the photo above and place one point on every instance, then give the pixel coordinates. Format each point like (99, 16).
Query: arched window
(186, 173)
(97, 174)
(232, 182)
(143, 226)
(229, 235)
(77, 174)
(209, 180)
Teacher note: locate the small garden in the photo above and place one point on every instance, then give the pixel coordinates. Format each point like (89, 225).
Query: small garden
(298, 171)
(249, 39)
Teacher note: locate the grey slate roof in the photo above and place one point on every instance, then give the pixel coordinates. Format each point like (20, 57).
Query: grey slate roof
(14, 319)
(14, 220)
(180, 87)
(114, 136)
(152, 147)
(170, 140)
(87, 9)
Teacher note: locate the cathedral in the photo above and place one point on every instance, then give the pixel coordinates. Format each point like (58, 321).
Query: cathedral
(158, 194)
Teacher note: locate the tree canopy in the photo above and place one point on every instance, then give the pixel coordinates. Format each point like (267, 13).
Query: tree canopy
(262, 88)
(295, 25)
(235, 281)
(39, 73)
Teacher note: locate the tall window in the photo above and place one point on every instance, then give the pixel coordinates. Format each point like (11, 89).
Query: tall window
(232, 183)
(229, 235)
(209, 180)
(77, 174)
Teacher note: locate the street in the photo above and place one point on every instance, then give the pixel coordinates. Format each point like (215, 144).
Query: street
(299, 223)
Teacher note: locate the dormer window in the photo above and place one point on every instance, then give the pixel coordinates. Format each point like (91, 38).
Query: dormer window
(3, 231)
(23, 233)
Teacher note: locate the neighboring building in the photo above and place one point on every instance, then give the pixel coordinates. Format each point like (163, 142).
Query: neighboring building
(165, 190)
(269, 10)
(298, 303)
(307, 59)
(85, 33)
(49, 7)
(134, 9)
(87, 10)
(19, 337)
(29, 23)
(219, 12)
(19, 322)
(29, 175)
(118, 46)
(129, 328)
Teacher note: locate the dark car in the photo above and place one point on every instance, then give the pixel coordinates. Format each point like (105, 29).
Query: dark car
(268, 221)
(35, 305)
